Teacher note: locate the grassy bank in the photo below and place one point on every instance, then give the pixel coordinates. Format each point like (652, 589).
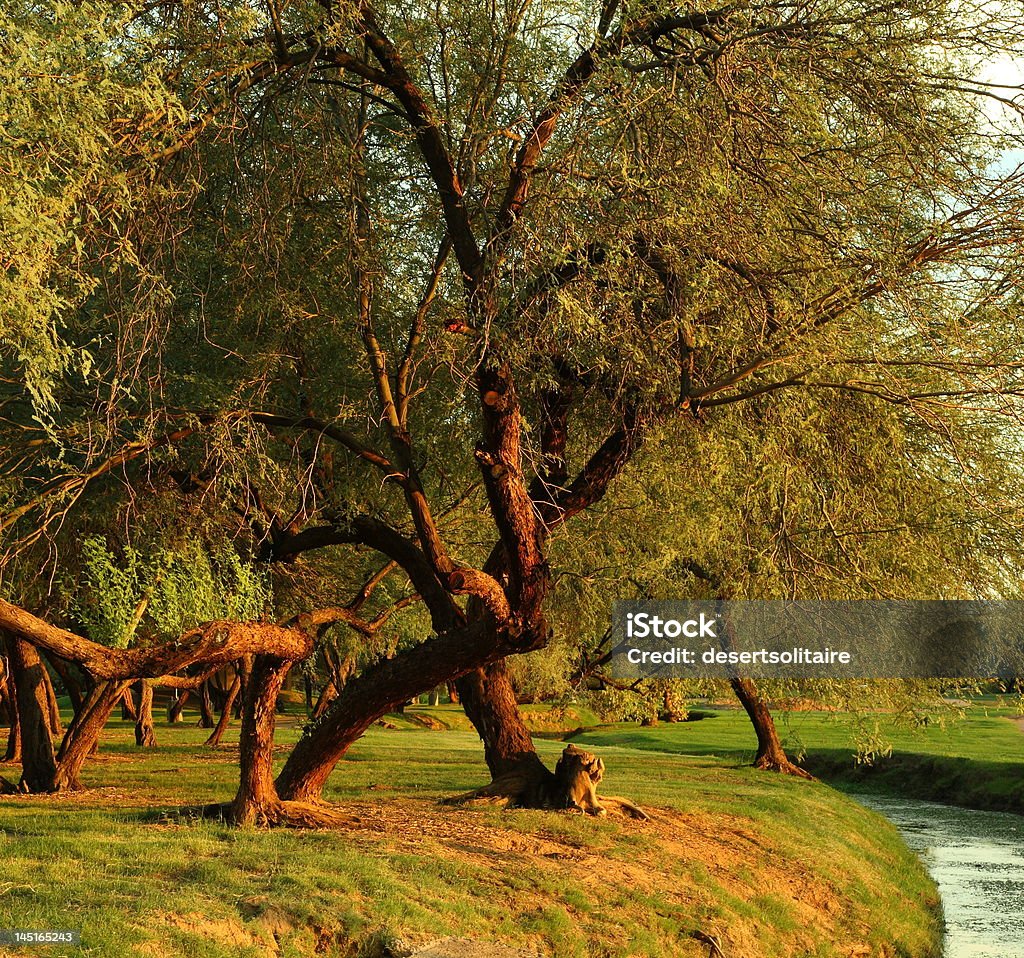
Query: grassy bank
(772, 866)
(977, 762)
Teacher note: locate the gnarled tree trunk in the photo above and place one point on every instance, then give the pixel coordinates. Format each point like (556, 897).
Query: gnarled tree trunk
(145, 734)
(374, 693)
(771, 756)
(489, 700)
(257, 801)
(38, 762)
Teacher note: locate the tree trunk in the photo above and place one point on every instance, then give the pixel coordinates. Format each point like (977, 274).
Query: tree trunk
(517, 772)
(68, 680)
(771, 756)
(379, 689)
(225, 713)
(38, 762)
(489, 701)
(83, 733)
(257, 801)
(56, 725)
(177, 706)
(13, 752)
(128, 709)
(207, 719)
(145, 734)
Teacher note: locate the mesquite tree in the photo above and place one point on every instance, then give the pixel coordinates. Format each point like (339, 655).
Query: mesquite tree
(421, 281)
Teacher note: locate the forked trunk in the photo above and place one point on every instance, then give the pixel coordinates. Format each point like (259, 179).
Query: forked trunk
(145, 734)
(225, 714)
(373, 693)
(83, 734)
(771, 756)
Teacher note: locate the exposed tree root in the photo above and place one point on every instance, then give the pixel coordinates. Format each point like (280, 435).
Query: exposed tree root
(279, 814)
(784, 766)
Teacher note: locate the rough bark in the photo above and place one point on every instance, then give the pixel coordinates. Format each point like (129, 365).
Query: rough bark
(225, 713)
(257, 801)
(145, 734)
(489, 701)
(38, 762)
(207, 719)
(212, 643)
(770, 756)
(83, 734)
(176, 706)
(13, 751)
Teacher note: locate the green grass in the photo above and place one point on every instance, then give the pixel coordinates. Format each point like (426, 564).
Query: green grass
(977, 762)
(775, 866)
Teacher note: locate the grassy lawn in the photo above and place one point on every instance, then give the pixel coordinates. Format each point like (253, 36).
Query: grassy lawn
(977, 762)
(773, 866)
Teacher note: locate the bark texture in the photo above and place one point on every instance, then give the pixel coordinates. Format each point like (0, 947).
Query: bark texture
(83, 734)
(225, 713)
(489, 700)
(771, 756)
(38, 761)
(145, 734)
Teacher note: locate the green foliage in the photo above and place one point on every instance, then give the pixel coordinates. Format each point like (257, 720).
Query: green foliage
(129, 596)
(76, 91)
(204, 230)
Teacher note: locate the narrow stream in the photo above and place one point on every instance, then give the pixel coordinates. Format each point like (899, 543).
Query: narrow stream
(977, 860)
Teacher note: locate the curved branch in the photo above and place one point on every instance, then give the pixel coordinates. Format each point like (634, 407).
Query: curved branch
(214, 643)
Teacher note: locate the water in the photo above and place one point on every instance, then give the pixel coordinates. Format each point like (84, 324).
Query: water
(977, 860)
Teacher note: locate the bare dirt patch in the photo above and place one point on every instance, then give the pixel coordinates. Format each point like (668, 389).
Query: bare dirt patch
(671, 847)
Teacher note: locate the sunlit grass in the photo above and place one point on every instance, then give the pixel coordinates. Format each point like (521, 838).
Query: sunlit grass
(778, 867)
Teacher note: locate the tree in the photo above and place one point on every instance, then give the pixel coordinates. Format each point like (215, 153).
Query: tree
(445, 273)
